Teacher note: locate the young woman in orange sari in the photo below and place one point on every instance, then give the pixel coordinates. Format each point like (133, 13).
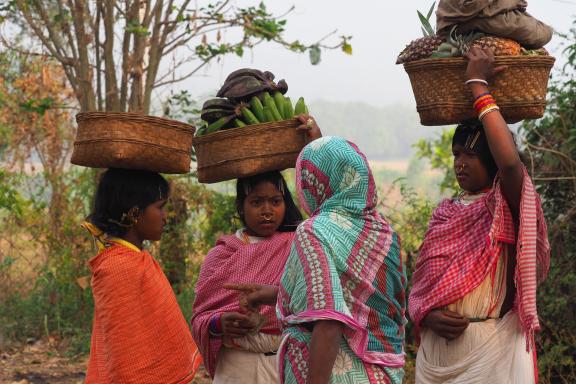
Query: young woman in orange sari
(139, 334)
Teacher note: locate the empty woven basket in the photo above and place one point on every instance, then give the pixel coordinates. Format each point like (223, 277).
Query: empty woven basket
(132, 141)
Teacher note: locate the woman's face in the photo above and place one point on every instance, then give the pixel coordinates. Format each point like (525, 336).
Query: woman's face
(471, 174)
(263, 210)
(151, 221)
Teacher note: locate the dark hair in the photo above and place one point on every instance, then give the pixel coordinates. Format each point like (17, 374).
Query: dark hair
(120, 190)
(244, 186)
(470, 135)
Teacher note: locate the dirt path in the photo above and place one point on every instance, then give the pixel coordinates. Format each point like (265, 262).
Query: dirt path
(42, 363)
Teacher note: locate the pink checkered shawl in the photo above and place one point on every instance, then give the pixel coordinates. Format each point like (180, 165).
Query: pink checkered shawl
(463, 243)
(233, 261)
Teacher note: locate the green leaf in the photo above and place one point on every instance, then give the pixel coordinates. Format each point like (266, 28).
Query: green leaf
(315, 54)
(430, 11)
(426, 25)
(347, 48)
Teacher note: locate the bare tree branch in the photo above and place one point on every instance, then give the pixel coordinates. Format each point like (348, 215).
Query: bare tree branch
(98, 11)
(86, 97)
(155, 53)
(112, 97)
(131, 10)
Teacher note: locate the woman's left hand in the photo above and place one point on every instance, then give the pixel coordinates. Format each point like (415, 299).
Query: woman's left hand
(481, 64)
(309, 126)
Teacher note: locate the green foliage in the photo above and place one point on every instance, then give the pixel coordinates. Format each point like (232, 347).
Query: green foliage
(439, 152)
(134, 26)
(258, 24)
(10, 199)
(37, 106)
(315, 54)
(41, 296)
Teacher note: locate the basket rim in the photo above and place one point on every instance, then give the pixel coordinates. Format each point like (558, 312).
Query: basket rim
(132, 116)
(248, 130)
(244, 158)
(466, 105)
(532, 61)
(81, 143)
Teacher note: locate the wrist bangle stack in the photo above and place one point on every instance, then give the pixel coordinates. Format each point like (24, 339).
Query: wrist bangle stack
(485, 104)
(215, 327)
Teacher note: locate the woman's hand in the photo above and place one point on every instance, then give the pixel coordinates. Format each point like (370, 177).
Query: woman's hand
(254, 295)
(310, 127)
(481, 64)
(236, 324)
(446, 324)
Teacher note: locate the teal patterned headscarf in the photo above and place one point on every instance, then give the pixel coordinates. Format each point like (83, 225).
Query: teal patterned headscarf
(333, 174)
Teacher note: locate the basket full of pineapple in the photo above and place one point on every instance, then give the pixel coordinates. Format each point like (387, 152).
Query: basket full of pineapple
(249, 128)
(436, 68)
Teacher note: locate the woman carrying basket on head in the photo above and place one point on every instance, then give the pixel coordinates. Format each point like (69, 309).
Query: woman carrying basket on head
(474, 288)
(139, 334)
(238, 346)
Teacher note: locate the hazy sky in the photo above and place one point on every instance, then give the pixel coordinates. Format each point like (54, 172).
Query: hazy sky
(380, 30)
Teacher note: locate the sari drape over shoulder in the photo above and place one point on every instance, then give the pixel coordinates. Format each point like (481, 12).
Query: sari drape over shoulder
(139, 333)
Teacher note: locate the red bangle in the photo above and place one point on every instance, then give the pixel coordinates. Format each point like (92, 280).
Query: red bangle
(478, 107)
(483, 100)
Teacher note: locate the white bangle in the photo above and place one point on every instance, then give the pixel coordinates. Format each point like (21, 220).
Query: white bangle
(491, 109)
(482, 81)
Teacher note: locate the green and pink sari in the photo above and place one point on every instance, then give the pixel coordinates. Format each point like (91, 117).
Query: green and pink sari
(344, 265)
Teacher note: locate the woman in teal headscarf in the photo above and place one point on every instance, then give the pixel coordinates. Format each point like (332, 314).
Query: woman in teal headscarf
(342, 294)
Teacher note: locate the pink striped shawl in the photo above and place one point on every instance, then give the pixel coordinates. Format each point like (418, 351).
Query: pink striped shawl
(233, 261)
(463, 243)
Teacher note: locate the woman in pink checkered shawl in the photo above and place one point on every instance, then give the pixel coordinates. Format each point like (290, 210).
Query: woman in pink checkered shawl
(236, 346)
(473, 299)
(239, 346)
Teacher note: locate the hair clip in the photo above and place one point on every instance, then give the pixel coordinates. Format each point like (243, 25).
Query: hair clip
(472, 139)
(246, 187)
(131, 216)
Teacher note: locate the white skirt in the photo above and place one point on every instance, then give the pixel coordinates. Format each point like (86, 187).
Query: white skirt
(493, 351)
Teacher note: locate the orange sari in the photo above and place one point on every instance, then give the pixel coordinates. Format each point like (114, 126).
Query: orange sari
(139, 333)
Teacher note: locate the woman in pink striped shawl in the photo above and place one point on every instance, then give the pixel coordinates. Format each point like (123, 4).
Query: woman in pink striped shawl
(239, 346)
(474, 288)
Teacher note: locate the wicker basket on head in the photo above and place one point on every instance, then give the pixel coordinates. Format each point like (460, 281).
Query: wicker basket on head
(132, 141)
(247, 151)
(442, 97)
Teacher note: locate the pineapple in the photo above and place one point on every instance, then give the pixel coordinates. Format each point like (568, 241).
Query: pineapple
(500, 45)
(423, 47)
(458, 45)
(420, 48)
